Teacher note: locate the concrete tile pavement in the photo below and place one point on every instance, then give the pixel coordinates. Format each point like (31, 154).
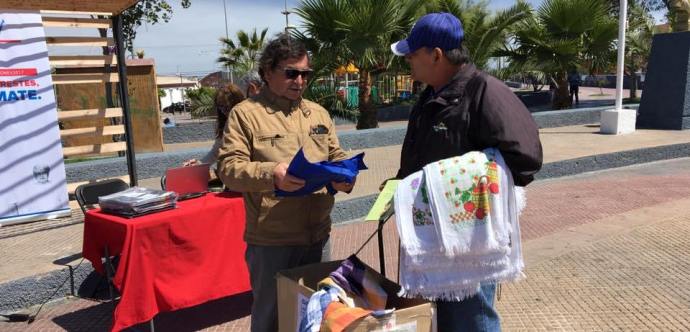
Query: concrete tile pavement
(632, 281)
(34, 253)
(594, 93)
(605, 251)
(383, 163)
(563, 143)
(559, 144)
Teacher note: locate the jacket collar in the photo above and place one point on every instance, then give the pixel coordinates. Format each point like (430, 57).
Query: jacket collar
(454, 89)
(278, 103)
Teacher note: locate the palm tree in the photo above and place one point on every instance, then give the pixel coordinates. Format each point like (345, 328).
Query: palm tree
(339, 32)
(562, 35)
(638, 44)
(243, 55)
(202, 101)
(485, 33)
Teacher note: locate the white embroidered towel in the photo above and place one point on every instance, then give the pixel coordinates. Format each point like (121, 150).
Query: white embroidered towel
(465, 204)
(413, 217)
(432, 275)
(514, 202)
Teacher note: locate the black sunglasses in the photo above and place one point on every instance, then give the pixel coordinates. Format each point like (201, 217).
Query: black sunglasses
(293, 73)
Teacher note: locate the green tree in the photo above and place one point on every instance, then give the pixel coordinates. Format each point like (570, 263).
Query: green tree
(339, 32)
(638, 44)
(243, 56)
(161, 94)
(145, 11)
(202, 101)
(563, 35)
(485, 33)
(328, 98)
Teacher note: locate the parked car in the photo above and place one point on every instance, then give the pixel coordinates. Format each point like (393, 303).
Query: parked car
(178, 107)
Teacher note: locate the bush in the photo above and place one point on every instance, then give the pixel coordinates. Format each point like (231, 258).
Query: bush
(202, 101)
(331, 101)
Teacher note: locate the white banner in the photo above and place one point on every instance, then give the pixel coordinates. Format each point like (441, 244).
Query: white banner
(32, 170)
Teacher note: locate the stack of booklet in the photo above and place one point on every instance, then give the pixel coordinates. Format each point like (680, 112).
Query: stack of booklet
(137, 201)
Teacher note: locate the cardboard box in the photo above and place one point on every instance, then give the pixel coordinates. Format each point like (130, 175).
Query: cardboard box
(296, 286)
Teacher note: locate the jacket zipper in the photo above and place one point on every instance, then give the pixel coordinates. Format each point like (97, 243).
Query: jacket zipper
(273, 139)
(299, 121)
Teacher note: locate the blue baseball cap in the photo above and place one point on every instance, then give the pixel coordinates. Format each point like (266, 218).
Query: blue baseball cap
(442, 30)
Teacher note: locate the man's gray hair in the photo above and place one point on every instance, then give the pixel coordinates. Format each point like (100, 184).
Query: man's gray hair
(458, 56)
(252, 77)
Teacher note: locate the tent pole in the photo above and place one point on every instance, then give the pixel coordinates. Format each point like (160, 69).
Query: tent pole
(124, 98)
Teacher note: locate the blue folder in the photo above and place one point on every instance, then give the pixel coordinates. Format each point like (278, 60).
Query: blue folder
(319, 175)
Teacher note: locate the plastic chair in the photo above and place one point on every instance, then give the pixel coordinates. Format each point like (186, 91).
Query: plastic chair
(87, 194)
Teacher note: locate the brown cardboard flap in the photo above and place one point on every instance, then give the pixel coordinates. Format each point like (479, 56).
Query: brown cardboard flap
(295, 287)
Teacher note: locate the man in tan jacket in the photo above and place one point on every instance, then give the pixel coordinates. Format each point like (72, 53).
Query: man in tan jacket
(262, 136)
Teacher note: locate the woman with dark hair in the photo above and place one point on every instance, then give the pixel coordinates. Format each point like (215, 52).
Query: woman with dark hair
(226, 99)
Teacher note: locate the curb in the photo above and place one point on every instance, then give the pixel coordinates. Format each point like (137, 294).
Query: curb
(29, 291)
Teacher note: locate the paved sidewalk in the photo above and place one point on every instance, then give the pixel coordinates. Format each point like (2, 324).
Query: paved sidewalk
(560, 143)
(27, 251)
(605, 251)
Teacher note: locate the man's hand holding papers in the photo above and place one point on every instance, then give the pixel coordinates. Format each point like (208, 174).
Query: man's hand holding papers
(284, 181)
(334, 175)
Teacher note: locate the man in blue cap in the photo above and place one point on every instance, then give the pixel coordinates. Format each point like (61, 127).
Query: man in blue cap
(462, 109)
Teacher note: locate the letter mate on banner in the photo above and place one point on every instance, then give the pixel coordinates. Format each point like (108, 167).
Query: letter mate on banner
(32, 170)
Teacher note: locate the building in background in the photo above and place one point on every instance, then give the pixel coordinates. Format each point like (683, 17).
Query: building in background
(216, 79)
(174, 87)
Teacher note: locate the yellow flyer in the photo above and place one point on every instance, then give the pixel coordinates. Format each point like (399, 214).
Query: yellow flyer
(383, 201)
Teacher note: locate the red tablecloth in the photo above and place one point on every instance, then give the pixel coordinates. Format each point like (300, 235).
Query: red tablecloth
(171, 259)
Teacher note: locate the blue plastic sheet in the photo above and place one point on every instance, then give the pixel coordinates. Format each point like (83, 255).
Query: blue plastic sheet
(319, 175)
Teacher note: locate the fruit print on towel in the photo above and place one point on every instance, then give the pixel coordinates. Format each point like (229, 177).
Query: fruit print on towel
(421, 213)
(469, 180)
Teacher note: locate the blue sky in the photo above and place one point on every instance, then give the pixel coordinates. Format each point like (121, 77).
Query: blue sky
(189, 42)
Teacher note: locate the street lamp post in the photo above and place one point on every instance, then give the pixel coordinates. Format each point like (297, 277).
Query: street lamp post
(286, 12)
(619, 120)
(225, 12)
(184, 107)
(227, 36)
(622, 23)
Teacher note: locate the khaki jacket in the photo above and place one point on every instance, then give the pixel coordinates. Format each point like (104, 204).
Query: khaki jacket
(261, 132)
